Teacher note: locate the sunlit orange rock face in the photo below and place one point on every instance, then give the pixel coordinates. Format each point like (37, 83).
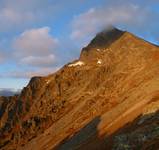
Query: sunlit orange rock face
(107, 99)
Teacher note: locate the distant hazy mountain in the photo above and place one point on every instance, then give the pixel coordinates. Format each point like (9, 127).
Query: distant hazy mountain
(107, 99)
(8, 92)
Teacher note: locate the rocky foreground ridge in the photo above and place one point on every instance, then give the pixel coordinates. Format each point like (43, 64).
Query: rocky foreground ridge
(107, 99)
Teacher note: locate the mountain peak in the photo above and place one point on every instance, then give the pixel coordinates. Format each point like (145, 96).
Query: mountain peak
(102, 40)
(109, 94)
(106, 37)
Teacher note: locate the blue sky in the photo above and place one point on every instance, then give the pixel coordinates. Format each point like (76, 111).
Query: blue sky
(39, 36)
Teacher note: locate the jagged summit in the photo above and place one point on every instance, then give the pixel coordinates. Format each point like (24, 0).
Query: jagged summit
(106, 37)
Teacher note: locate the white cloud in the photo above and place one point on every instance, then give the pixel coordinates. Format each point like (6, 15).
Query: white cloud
(2, 57)
(19, 14)
(14, 17)
(36, 47)
(39, 60)
(95, 19)
(36, 42)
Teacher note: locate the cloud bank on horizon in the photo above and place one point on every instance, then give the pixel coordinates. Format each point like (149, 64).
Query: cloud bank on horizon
(39, 36)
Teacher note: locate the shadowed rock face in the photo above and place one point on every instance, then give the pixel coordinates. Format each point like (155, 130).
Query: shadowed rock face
(106, 37)
(103, 100)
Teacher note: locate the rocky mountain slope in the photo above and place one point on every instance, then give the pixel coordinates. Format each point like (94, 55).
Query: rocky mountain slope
(107, 99)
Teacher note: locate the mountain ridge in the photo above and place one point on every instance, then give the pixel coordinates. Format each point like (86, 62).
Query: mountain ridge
(114, 80)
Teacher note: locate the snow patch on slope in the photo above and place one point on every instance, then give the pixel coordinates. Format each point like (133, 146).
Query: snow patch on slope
(99, 62)
(78, 63)
(48, 82)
